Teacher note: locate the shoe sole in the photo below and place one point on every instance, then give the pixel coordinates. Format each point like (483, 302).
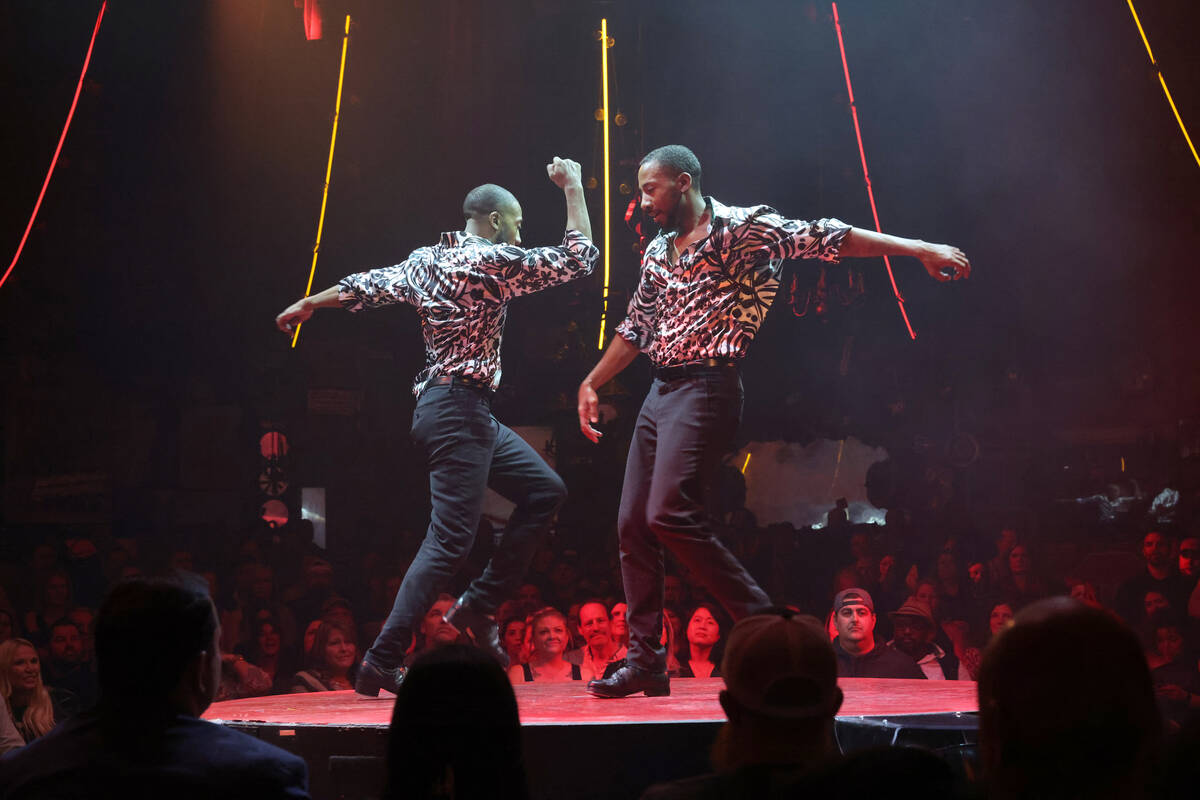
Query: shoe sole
(648, 692)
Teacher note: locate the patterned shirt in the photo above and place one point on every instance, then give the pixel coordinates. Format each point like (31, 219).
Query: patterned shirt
(461, 288)
(711, 302)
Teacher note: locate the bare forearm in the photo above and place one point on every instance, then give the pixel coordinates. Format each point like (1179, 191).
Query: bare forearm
(326, 299)
(577, 213)
(863, 243)
(619, 355)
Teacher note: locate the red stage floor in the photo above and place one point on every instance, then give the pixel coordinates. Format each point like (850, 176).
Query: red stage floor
(692, 700)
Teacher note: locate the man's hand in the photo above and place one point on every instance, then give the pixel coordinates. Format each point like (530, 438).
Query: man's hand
(293, 315)
(945, 263)
(589, 411)
(565, 173)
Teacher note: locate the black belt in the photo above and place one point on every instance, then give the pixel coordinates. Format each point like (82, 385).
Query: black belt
(459, 380)
(706, 367)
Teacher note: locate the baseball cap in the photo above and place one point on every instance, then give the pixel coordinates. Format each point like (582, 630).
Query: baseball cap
(853, 597)
(781, 666)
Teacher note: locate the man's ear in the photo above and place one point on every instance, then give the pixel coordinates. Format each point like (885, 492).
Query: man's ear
(494, 218)
(683, 182)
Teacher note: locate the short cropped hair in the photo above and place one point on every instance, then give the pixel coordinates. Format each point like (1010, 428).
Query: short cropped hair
(483, 200)
(677, 158)
(146, 633)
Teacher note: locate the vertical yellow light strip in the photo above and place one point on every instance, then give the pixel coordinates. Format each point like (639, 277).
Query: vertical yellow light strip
(337, 108)
(746, 463)
(607, 192)
(1163, 81)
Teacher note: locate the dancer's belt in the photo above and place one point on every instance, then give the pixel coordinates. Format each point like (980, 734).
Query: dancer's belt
(705, 367)
(459, 380)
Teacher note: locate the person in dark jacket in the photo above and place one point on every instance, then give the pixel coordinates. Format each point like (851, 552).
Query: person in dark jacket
(858, 655)
(144, 738)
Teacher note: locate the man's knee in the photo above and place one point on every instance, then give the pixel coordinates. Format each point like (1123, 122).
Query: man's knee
(548, 494)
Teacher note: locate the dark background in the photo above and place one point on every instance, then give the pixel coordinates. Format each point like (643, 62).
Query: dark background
(140, 361)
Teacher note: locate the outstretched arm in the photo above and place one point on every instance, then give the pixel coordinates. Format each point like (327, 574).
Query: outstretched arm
(302, 310)
(943, 262)
(567, 175)
(618, 356)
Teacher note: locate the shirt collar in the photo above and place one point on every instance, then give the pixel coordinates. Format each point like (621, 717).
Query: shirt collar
(460, 238)
(719, 212)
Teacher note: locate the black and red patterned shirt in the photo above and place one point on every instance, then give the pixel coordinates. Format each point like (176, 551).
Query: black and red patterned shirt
(461, 288)
(711, 302)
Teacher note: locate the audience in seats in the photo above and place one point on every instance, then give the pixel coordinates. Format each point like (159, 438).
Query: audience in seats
(599, 650)
(1159, 576)
(1086, 726)
(913, 628)
(455, 731)
(331, 664)
(54, 603)
(618, 624)
(701, 656)
(512, 638)
(144, 738)
(546, 663)
(858, 654)
(1000, 616)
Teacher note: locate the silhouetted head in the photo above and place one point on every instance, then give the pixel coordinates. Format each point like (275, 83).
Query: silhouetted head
(493, 212)
(1066, 706)
(455, 730)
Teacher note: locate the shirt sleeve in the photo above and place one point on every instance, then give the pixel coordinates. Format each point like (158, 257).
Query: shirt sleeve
(387, 285)
(517, 271)
(765, 236)
(638, 326)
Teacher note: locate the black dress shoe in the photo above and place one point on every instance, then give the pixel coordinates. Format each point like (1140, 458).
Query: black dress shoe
(480, 627)
(372, 678)
(631, 680)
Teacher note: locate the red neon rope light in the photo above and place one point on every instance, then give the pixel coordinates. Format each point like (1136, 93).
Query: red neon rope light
(58, 149)
(866, 175)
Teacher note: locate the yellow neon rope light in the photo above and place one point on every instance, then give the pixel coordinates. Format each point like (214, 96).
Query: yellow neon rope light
(607, 217)
(337, 108)
(746, 463)
(1163, 81)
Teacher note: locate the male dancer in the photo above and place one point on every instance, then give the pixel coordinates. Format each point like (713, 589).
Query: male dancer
(461, 288)
(707, 282)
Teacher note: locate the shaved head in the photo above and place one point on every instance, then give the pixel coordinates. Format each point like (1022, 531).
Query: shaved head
(676, 159)
(483, 200)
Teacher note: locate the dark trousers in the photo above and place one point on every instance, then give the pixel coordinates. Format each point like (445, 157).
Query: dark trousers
(467, 451)
(683, 430)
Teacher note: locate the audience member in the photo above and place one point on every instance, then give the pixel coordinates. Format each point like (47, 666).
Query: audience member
(998, 566)
(780, 697)
(598, 650)
(266, 652)
(10, 737)
(34, 710)
(620, 628)
(1022, 586)
(701, 657)
(331, 664)
(53, 603)
(1086, 726)
(914, 632)
(64, 667)
(512, 637)
(85, 619)
(1159, 576)
(1173, 669)
(144, 738)
(435, 631)
(858, 655)
(1000, 616)
(455, 730)
(546, 662)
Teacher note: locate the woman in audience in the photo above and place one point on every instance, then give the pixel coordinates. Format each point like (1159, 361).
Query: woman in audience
(266, 652)
(999, 617)
(332, 662)
(703, 636)
(546, 662)
(512, 638)
(1173, 668)
(618, 626)
(27, 698)
(1022, 586)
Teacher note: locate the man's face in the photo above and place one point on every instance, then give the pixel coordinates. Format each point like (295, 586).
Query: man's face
(84, 620)
(1156, 549)
(594, 625)
(1018, 560)
(507, 222)
(66, 646)
(661, 192)
(529, 595)
(58, 591)
(1189, 557)
(435, 628)
(1169, 642)
(912, 634)
(1155, 601)
(855, 623)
